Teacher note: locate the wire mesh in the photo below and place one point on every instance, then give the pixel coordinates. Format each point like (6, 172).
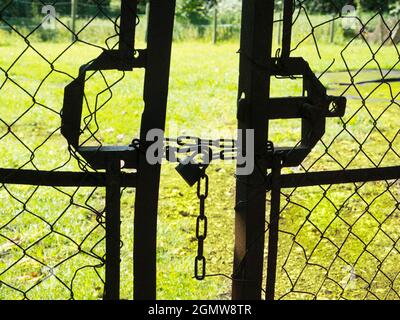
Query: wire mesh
(340, 241)
(52, 239)
(336, 242)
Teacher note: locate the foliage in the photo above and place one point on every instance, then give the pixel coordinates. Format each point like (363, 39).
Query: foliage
(194, 11)
(229, 11)
(323, 6)
(374, 5)
(327, 6)
(395, 9)
(15, 8)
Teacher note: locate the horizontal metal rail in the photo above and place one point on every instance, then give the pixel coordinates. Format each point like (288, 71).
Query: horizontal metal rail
(98, 179)
(339, 177)
(62, 178)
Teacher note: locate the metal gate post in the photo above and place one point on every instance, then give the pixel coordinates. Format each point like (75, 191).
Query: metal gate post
(254, 88)
(113, 229)
(273, 235)
(287, 27)
(273, 226)
(158, 56)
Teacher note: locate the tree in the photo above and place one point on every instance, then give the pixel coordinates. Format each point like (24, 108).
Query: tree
(323, 6)
(395, 9)
(335, 6)
(194, 11)
(375, 5)
(15, 9)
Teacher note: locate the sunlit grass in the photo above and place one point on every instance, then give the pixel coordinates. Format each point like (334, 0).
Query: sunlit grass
(202, 102)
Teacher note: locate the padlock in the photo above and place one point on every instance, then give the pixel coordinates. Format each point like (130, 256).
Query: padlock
(191, 172)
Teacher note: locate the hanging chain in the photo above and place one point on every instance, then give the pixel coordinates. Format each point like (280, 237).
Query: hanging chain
(195, 173)
(201, 228)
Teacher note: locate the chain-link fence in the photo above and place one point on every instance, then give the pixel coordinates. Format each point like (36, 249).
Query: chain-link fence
(338, 235)
(52, 228)
(339, 240)
(51, 237)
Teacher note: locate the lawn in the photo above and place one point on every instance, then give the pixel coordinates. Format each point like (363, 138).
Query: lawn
(43, 231)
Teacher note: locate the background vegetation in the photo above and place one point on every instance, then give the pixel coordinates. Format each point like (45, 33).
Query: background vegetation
(194, 17)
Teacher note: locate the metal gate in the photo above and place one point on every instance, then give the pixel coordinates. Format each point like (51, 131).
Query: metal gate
(333, 196)
(91, 176)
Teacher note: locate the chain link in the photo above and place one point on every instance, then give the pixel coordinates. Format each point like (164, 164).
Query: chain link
(201, 227)
(181, 147)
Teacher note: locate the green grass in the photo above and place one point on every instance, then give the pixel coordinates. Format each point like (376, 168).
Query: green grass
(202, 102)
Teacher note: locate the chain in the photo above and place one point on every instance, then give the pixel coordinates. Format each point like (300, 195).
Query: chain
(192, 146)
(176, 148)
(201, 228)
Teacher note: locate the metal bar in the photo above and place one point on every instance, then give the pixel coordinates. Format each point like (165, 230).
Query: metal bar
(279, 37)
(127, 27)
(74, 7)
(287, 28)
(339, 177)
(111, 60)
(255, 49)
(284, 108)
(113, 230)
(61, 178)
(159, 42)
(98, 179)
(97, 157)
(147, 20)
(293, 108)
(273, 228)
(72, 110)
(332, 30)
(215, 25)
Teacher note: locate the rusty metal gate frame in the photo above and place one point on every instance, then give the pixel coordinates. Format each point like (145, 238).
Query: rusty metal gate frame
(155, 59)
(256, 69)
(254, 112)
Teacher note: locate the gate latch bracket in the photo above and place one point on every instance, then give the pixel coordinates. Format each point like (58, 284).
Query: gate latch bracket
(313, 108)
(125, 58)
